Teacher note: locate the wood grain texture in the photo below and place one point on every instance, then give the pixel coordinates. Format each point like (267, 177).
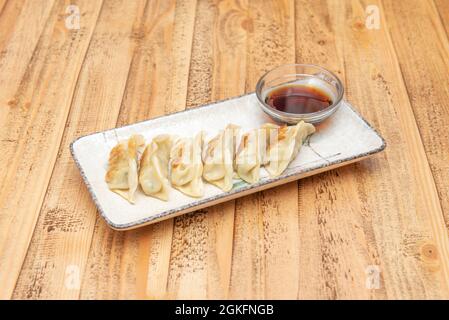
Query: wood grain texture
(417, 234)
(398, 214)
(135, 263)
(381, 228)
(200, 263)
(427, 81)
(9, 14)
(265, 258)
(321, 237)
(32, 126)
(67, 218)
(2, 5)
(335, 238)
(443, 11)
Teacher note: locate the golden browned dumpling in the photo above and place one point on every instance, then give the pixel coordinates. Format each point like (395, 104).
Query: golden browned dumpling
(153, 172)
(247, 160)
(186, 166)
(252, 152)
(284, 146)
(218, 158)
(121, 176)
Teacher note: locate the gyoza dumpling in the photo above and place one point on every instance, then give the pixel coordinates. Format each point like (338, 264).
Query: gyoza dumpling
(252, 153)
(266, 133)
(121, 176)
(247, 160)
(218, 158)
(153, 173)
(186, 167)
(285, 147)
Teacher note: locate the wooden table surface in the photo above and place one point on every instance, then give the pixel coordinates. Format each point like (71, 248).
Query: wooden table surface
(377, 229)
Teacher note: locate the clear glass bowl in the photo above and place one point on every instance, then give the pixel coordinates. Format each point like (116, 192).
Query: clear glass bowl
(303, 74)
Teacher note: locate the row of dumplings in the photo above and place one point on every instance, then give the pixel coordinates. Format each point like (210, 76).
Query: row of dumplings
(184, 162)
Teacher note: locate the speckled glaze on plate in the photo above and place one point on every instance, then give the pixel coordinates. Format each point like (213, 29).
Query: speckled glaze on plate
(342, 139)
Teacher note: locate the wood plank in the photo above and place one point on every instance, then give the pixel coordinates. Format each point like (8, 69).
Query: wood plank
(62, 238)
(334, 248)
(2, 5)
(426, 78)
(443, 11)
(33, 122)
(135, 263)
(265, 258)
(17, 46)
(384, 212)
(335, 244)
(318, 241)
(9, 17)
(200, 264)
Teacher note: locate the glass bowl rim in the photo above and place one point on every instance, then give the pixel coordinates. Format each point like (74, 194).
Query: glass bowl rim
(300, 115)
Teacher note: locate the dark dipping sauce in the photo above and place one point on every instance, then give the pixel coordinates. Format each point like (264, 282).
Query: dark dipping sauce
(298, 99)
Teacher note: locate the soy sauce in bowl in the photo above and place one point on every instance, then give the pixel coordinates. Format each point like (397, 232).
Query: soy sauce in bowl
(298, 99)
(299, 92)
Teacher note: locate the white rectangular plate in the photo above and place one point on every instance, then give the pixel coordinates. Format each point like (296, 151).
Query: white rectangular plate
(342, 139)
